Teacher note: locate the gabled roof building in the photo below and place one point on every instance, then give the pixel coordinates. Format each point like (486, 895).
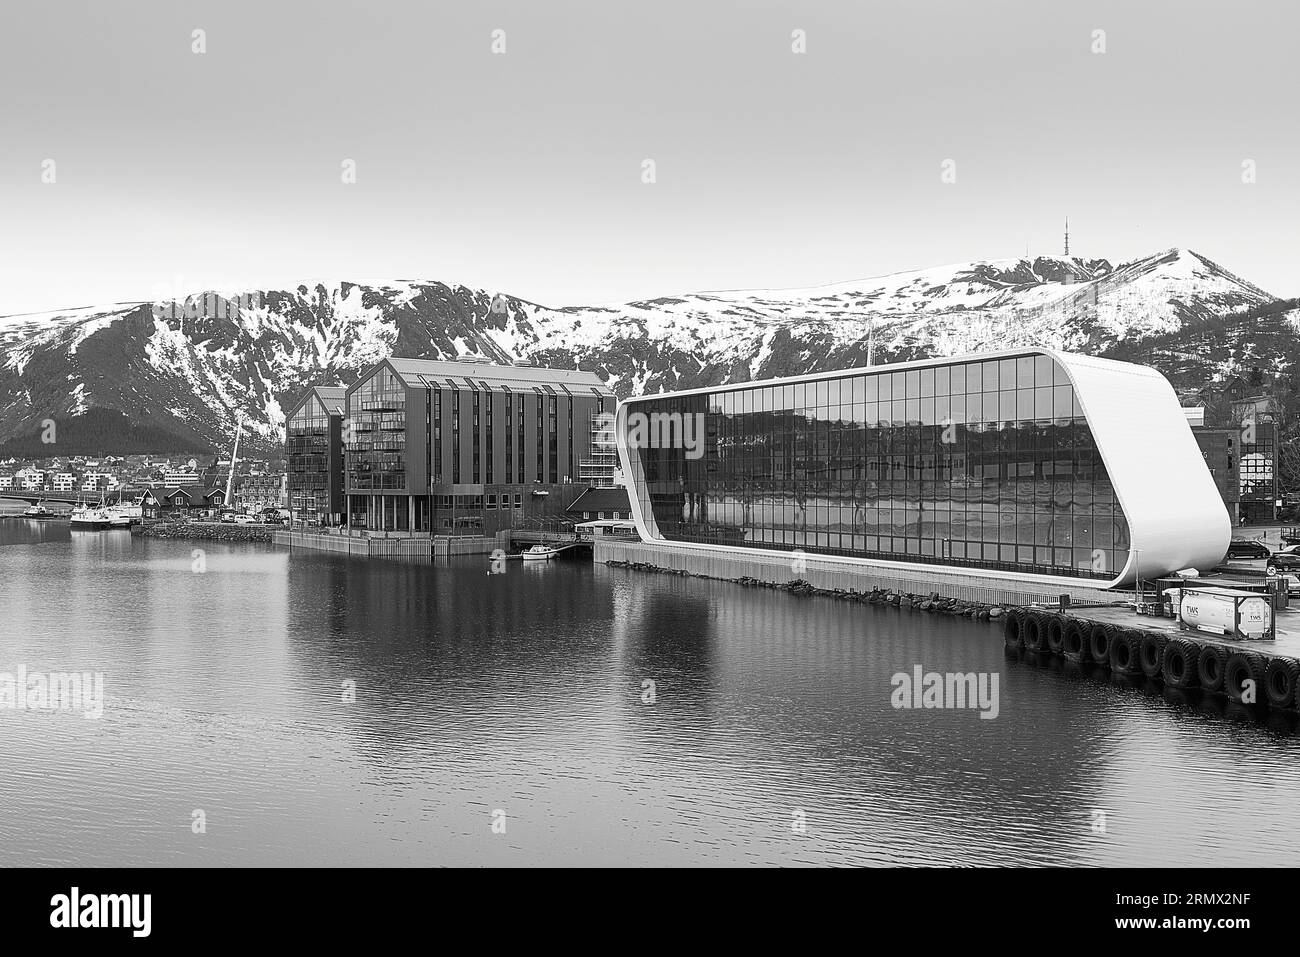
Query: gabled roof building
(314, 455)
(444, 447)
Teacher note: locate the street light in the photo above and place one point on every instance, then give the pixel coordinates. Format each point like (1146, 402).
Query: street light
(1137, 572)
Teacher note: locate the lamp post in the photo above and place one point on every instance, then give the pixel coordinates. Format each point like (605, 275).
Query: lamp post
(1137, 572)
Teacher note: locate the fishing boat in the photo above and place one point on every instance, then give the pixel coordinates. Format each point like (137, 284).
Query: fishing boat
(98, 518)
(89, 519)
(39, 510)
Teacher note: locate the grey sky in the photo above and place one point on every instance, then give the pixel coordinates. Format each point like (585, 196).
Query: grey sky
(522, 172)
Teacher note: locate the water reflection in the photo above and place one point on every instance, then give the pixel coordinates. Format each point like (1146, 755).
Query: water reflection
(29, 531)
(229, 690)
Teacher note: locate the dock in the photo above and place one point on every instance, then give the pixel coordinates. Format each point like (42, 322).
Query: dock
(1114, 639)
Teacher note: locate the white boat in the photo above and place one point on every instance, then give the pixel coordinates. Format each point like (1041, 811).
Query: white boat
(86, 518)
(127, 513)
(538, 553)
(39, 510)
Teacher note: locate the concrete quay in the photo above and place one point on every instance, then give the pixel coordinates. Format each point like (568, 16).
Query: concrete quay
(826, 573)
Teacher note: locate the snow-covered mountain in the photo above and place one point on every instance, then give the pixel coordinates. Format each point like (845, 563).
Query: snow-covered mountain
(121, 374)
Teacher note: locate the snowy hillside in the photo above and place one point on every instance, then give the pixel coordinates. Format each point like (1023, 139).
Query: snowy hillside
(185, 380)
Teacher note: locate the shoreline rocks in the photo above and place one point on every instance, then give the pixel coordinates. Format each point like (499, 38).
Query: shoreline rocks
(932, 602)
(208, 532)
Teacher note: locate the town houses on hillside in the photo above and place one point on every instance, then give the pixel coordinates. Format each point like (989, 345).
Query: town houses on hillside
(258, 482)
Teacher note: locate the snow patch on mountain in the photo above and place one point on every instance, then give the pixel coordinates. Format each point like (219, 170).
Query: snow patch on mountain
(198, 375)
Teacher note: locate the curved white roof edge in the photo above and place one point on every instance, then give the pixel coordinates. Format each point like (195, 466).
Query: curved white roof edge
(1175, 515)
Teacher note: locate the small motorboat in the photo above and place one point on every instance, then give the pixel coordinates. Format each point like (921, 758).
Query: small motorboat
(39, 510)
(538, 553)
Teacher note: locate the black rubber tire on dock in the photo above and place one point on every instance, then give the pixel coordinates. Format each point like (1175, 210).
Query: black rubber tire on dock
(1100, 638)
(1281, 676)
(1209, 667)
(1151, 654)
(1178, 667)
(1033, 631)
(1125, 649)
(1074, 643)
(1242, 666)
(1054, 633)
(1013, 629)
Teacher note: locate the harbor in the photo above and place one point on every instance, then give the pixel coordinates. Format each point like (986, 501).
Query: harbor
(80, 515)
(548, 662)
(692, 436)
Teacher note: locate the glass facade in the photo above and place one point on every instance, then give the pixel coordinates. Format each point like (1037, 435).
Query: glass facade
(377, 423)
(1258, 482)
(986, 464)
(311, 487)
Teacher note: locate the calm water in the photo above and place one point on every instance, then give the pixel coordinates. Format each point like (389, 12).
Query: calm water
(523, 692)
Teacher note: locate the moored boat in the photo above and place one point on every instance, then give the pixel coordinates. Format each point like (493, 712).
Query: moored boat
(39, 510)
(125, 514)
(538, 553)
(92, 519)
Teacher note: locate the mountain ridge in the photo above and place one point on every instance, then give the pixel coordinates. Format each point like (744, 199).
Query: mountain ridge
(191, 377)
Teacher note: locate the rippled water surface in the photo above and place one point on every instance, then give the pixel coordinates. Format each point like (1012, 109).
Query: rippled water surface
(523, 693)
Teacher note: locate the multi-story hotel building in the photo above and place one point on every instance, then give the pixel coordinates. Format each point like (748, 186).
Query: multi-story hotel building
(314, 456)
(1032, 465)
(468, 447)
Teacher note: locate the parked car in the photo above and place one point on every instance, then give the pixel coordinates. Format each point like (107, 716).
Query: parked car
(227, 518)
(245, 520)
(1278, 564)
(1246, 548)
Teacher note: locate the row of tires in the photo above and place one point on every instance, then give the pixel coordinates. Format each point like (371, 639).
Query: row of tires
(1180, 663)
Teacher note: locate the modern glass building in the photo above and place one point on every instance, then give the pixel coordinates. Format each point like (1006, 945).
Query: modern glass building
(467, 447)
(1029, 464)
(1259, 487)
(314, 456)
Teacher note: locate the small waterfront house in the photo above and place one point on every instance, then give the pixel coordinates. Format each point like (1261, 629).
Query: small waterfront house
(601, 503)
(183, 500)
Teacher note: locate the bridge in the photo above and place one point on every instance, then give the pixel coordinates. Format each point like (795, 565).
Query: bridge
(533, 536)
(58, 498)
(31, 499)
